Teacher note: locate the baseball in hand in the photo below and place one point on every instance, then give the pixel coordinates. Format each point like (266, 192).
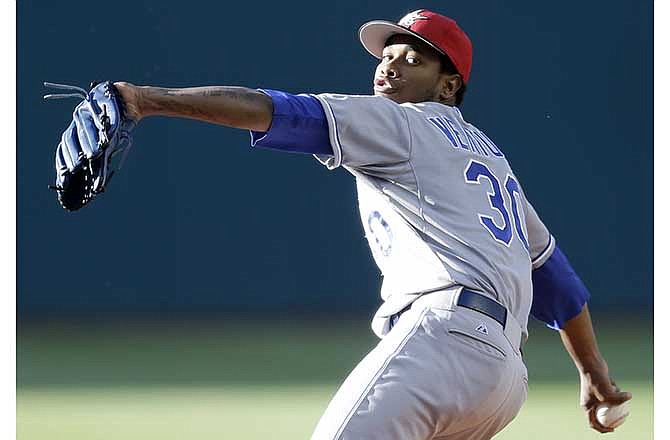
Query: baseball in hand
(612, 416)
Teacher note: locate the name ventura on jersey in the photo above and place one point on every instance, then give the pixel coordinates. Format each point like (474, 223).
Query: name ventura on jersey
(464, 137)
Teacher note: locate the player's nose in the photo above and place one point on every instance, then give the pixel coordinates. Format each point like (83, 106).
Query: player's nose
(389, 71)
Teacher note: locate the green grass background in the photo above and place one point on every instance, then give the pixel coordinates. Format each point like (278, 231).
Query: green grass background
(261, 379)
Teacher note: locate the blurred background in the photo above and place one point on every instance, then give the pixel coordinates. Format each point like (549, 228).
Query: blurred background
(218, 291)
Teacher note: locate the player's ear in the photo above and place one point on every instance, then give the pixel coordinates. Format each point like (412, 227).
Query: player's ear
(450, 84)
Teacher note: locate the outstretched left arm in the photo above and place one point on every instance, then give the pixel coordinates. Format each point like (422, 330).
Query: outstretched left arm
(236, 107)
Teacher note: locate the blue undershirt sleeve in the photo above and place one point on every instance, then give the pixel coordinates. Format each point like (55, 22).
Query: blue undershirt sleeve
(558, 292)
(298, 125)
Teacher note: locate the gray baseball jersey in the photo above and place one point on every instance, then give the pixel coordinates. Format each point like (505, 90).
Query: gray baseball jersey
(438, 201)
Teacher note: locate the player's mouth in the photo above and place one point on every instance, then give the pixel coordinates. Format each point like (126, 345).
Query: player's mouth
(382, 85)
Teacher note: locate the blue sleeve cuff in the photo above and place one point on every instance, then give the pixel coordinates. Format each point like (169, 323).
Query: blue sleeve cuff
(299, 125)
(558, 292)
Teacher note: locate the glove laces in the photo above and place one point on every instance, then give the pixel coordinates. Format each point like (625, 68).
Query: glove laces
(101, 121)
(80, 93)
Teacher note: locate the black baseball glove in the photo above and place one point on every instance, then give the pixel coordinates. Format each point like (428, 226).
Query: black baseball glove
(100, 129)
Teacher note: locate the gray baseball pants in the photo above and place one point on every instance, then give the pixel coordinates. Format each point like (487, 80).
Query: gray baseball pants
(443, 372)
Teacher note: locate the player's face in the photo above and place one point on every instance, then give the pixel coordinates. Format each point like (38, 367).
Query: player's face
(409, 71)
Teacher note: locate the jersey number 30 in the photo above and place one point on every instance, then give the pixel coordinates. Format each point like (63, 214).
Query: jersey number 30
(474, 173)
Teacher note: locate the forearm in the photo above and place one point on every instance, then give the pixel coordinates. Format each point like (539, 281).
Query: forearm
(579, 340)
(236, 107)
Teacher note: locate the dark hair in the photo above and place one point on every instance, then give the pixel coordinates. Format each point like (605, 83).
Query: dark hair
(449, 68)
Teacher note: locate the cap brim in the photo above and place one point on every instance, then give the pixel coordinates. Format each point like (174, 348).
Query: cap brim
(373, 36)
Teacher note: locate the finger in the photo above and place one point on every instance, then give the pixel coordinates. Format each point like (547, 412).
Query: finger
(598, 394)
(615, 396)
(594, 423)
(86, 130)
(618, 397)
(72, 152)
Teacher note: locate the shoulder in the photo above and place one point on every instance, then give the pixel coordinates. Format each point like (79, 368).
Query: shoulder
(431, 108)
(359, 100)
(362, 109)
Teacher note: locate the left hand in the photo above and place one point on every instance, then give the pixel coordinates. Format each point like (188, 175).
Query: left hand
(100, 129)
(597, 388)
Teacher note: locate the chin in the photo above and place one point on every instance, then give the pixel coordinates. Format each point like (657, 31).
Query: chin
(392, 96)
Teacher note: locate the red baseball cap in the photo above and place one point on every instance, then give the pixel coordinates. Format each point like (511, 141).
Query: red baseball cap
(440, 32)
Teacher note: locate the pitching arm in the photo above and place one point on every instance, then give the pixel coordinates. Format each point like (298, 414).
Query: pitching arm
(560, 300)
(596, 385)
(558, 292)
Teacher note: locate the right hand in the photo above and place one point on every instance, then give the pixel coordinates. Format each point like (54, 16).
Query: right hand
(598, 388)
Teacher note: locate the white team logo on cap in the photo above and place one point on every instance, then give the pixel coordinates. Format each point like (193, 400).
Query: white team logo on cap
(409, 19)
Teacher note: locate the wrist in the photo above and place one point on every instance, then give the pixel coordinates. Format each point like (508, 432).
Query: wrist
(591, 364)
(132, 97)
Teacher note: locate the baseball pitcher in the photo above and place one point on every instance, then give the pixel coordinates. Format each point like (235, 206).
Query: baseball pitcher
(464, 256)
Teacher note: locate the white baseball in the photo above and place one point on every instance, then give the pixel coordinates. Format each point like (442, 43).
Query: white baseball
(612, 416)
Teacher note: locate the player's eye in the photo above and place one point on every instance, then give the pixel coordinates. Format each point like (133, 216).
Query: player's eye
(386, 56)
(412, 60)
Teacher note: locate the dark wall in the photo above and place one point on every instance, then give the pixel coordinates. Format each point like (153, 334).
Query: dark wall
(198, 221)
